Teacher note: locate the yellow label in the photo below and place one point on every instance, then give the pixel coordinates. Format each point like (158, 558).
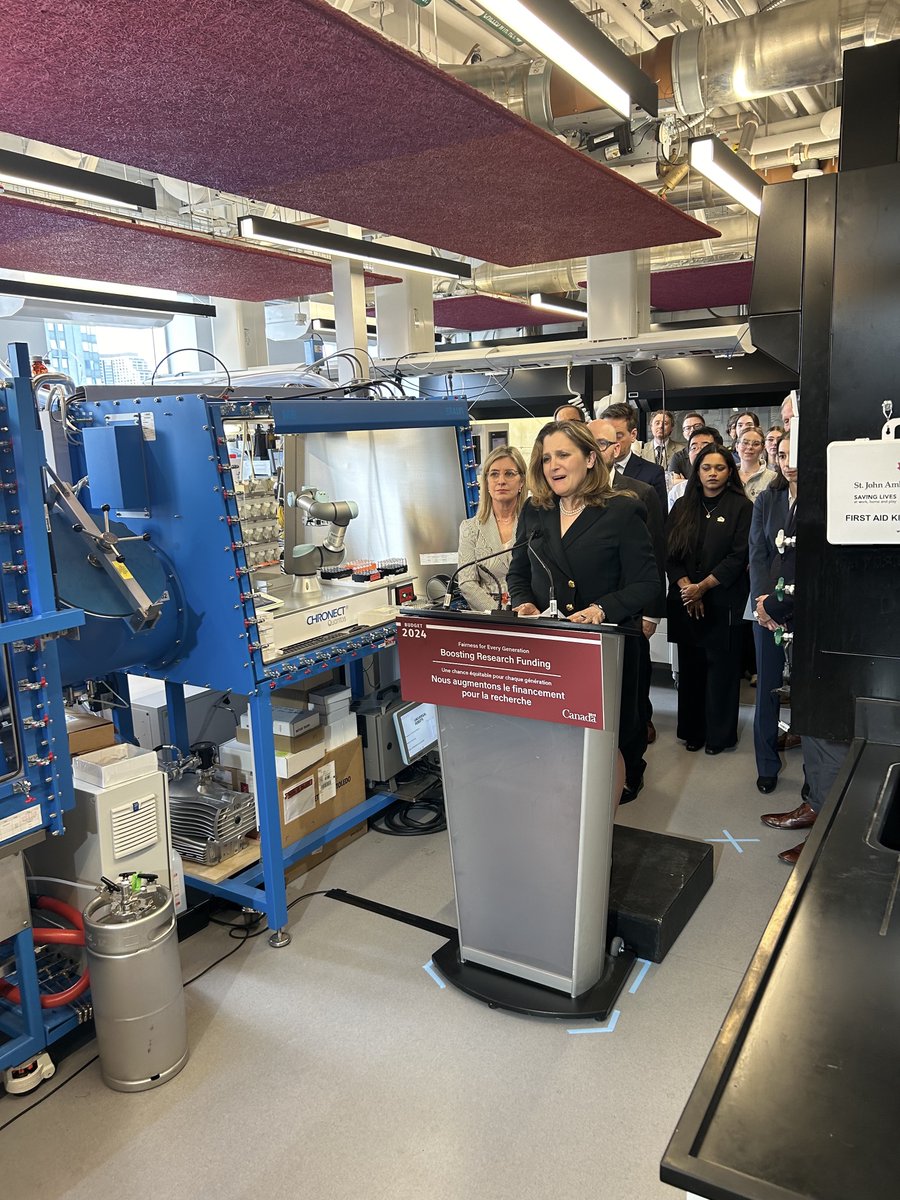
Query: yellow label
(123, 570)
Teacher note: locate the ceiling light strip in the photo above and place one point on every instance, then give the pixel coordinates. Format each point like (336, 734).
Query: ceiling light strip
(337, 245)
(569, 308)
(561, 33)
(43, 291)
(26, 171)
(713, 158)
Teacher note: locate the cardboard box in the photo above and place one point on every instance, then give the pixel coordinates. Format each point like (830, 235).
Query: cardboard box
(297, 695)
(340, 784)
(313, 798)
(311, 861)
(88, 732)
(300, 757)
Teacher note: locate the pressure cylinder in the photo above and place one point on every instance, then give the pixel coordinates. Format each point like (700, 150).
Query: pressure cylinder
(138, 996)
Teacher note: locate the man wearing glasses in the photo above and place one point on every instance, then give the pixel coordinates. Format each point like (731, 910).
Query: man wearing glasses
(679, 464)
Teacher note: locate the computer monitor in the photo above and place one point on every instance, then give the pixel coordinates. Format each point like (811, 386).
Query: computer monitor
(416, 728)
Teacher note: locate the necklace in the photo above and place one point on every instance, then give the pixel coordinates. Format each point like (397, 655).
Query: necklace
(710, 511)
(571, 512)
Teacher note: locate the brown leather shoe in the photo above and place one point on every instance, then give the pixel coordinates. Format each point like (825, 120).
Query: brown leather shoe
(651, 733)
(801, 817)
(790, 856)
(788, 741)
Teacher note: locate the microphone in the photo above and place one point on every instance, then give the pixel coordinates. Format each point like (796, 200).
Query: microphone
(476, 562)
(552, 608)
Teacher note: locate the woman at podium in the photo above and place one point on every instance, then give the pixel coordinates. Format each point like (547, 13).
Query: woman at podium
(579, 542)
(492, 529)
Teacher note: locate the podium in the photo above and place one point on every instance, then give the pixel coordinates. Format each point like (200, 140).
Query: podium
(527, 715)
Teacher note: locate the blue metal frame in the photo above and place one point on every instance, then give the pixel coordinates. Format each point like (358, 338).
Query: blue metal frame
(43, 787)
(194, 518)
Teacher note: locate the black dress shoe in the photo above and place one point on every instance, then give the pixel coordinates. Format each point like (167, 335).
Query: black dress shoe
(766, 783)
(631, 791)
(693, 746)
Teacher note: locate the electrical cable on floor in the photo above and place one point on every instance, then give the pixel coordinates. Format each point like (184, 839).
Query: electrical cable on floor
(245, 933)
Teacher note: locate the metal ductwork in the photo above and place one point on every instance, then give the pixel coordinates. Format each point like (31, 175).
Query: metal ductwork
(775, 50)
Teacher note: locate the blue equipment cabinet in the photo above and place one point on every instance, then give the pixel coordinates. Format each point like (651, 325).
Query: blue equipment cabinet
(35, 771)
(194, 563)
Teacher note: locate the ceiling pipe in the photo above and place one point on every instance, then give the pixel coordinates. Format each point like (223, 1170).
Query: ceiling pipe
(775, 50)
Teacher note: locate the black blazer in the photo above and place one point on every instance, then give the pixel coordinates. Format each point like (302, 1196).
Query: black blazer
(723, 553)
(657, 528)
(605, 558)
(648, 472)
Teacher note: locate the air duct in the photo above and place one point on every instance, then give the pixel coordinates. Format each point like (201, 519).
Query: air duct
(775, 50)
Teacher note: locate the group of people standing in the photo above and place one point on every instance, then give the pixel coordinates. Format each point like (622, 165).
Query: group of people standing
(618, 548)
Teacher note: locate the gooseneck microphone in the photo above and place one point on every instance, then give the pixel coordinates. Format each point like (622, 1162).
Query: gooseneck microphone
(448, 599)
(552, 607)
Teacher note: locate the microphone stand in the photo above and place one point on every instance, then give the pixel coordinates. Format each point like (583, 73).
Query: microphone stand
(552, 607)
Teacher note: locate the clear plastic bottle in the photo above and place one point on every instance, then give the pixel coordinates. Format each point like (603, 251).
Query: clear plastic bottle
(179, 892)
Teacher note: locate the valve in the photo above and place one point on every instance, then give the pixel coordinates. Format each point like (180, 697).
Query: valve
(783, 542)
(782, 637)
(26, 686)
(783, 589)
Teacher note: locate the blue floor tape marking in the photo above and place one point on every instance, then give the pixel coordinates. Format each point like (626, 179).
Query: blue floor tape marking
(607, 1028)
(640, 978)
(732, 840)
(434, 975)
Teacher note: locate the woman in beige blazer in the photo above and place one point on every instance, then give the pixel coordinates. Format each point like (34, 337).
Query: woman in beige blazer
(493, 528)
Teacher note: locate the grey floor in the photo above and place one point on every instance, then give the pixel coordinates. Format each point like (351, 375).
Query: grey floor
(339, 1068)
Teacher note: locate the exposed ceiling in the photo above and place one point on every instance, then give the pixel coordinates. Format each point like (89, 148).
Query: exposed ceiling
(293, 103)
(303, 104)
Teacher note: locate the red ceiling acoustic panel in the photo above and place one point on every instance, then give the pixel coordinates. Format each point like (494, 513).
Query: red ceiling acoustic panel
(490, 312)
(60, 241)
(720, 285)
(295, 103)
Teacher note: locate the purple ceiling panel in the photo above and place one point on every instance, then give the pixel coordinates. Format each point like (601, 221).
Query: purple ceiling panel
(295, 103)
(720, 285)
(61, 241)
(490, 312)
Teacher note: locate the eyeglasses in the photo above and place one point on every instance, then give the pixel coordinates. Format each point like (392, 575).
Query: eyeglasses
(495, 475)
(604, 444)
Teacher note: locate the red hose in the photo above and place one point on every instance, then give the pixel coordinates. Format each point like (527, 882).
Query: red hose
(47, 937)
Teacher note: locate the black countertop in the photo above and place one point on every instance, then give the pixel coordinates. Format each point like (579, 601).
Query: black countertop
(800, 1096)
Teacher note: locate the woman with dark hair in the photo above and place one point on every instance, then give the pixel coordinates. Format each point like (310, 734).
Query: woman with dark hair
(596, 540)
(706, 548)
(594, 543)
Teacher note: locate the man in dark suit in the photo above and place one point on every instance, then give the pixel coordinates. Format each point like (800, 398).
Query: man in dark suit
(624, 420)
(605, 433)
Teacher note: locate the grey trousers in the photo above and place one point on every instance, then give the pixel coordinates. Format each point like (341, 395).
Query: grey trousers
(821, 762)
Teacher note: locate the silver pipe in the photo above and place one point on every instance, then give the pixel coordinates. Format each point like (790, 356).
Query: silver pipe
(516, 82)
(776, 50)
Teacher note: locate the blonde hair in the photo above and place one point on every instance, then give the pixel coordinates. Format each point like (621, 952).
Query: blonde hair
(485, 507)
(596, 489)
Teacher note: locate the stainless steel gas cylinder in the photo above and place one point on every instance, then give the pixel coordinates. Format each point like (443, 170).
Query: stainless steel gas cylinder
(139, 1015)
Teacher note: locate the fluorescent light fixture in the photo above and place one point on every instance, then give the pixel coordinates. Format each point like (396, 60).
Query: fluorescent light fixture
(559, 31)
(569, 308)
(28, 171)
(69, 295)
(711, 157)
(302, 237)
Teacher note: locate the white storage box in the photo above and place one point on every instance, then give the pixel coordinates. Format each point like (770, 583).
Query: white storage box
(114, 764)
(289, 722)
(331, 698)
(287, 763)
(338, 733)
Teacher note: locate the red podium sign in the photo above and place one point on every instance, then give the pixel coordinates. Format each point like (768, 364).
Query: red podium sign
(532, 673)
